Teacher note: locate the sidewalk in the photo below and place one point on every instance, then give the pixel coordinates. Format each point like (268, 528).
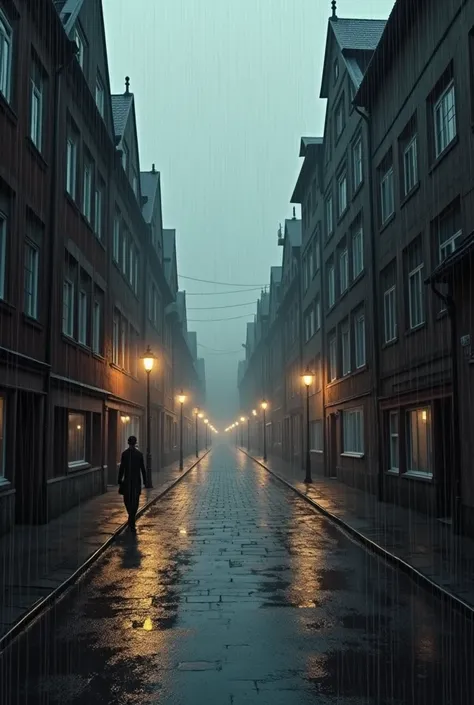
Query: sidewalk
(421, 542)
(35, 560)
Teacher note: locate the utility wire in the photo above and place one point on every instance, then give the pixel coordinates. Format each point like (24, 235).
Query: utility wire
(216, 350)
(216, 320)
(222, 293)
(210, 308)
(209, 281)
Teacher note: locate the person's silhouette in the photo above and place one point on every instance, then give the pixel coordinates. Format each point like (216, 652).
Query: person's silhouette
(132, 469)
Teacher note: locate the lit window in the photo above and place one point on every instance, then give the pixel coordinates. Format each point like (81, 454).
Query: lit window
(31, 280)
(419, 460)
(444, 114)
(6, 35)
(353, 432)
(76, 445)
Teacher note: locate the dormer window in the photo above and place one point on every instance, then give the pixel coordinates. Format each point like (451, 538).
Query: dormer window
(81, 47)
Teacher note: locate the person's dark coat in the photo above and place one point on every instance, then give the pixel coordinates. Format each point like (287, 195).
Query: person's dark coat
(131, 472)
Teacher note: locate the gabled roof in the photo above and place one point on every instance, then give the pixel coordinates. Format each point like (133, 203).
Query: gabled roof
(350, 35)
(150, 187)
(121, 105)
(310, 147)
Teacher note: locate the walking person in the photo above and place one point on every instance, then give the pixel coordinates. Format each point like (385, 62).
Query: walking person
(132, 466)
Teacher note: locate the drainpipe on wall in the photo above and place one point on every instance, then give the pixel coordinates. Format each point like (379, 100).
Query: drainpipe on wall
(375, 319)
(51, 298)
(448, 300)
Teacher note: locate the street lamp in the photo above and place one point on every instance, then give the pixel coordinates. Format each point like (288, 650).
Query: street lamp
(181, 399)
(264, 406)
(148, 363)
(308, 378)
(206, 422)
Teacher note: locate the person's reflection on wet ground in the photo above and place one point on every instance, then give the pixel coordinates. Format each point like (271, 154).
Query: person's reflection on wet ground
(131, 556)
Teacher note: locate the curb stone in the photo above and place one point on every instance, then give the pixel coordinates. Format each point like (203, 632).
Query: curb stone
(40, 608)
(420, 578)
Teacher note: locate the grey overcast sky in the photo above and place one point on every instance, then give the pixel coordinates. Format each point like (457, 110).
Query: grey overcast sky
(224, 89)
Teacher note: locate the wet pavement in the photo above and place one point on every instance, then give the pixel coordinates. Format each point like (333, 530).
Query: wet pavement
(235, 591)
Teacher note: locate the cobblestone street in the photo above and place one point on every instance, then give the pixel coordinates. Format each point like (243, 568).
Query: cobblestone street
(235, 591)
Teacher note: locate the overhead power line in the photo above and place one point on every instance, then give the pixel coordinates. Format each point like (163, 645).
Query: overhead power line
(210, 308)
(222, 293)
(216, 320)
(216, 350)
(210, 281)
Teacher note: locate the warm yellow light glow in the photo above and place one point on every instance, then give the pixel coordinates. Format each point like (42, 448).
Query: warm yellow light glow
(148, 625)
(243, 419)
(148, 360)
(181, 397)
(254, 412)
(206, 420)
(200, 415)
(183, 532)
(236, 423)
(424, 415)
(308, 378)
(264, 405)
(79, 427)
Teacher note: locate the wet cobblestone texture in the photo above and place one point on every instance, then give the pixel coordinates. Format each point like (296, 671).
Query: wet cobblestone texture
(235, 591)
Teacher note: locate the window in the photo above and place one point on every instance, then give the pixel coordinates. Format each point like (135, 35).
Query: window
(124, 253)
(97, 327)
(345, 348)
(133, 273)
(410, 166)
(68, 308)
(36, 104)
(343, 270)
(447, 229)
(2, 433)
(87, 190)
(331, 285)
(339, 118)
(316, 436)
(81, 49)
(357, 251)
(357, 167)
(329, 217)
(394, 463)
(341, 194)
(332, 358)
(309, 323)
(135, 184)
(416, 308)
(153, 306)
(116, 338)
(3, 254)
(444, 119)
(99, 94)
(387, 200)
(116, 238)
(390, 314)
(71, 164)
(125, 155)
(99, 209)
(31, 280)
(123, 343)
(336, 70)
(317, 312)
(419, 441)
(360, 340)
(317, 252)
(76, 443)
(353, 431)
(5, 56)
(82, 317)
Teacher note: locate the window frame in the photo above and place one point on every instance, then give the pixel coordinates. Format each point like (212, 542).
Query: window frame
(82, 461)
(316, 424)
(355, 234)
(98, 209)
(69, 332)
(33, 310)
(97, 326)
(388, 177)
(344, 266)
(71, 164)
(82, 317)
(390, 296)
(332, 358)
(357, 445)
(342, 203)
(429, 443)
(357, 183)
(339, 112)
(87, 182)
(116, 238)
(411, 146)
(37, 94)
(416, 272)
(3, 255)
(100, 94)
(346, 348)
(360, 316)
(329, 215)
(6, 71)
(437, 104)
(392, 435)
(331, 285)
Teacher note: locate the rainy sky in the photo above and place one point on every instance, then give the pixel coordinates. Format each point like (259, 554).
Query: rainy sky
(224, 90)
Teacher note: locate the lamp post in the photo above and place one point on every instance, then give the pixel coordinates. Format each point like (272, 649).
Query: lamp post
(181, 399)
(196, 414)
(206, 423)
(148, 363)
(264, 406)
(308, 381)
(242, 421)
(237, 434)
(254, 414)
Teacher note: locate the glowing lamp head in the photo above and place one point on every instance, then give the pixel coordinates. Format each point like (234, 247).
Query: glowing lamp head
(181, 397)
(264, 405)
(206, 421)
(254, 412)
(308, 378)
(148, 360)
(200, 416)
(242, 418)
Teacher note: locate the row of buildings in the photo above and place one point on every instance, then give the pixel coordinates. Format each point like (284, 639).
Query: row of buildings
(374, 291)
(88, 273)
